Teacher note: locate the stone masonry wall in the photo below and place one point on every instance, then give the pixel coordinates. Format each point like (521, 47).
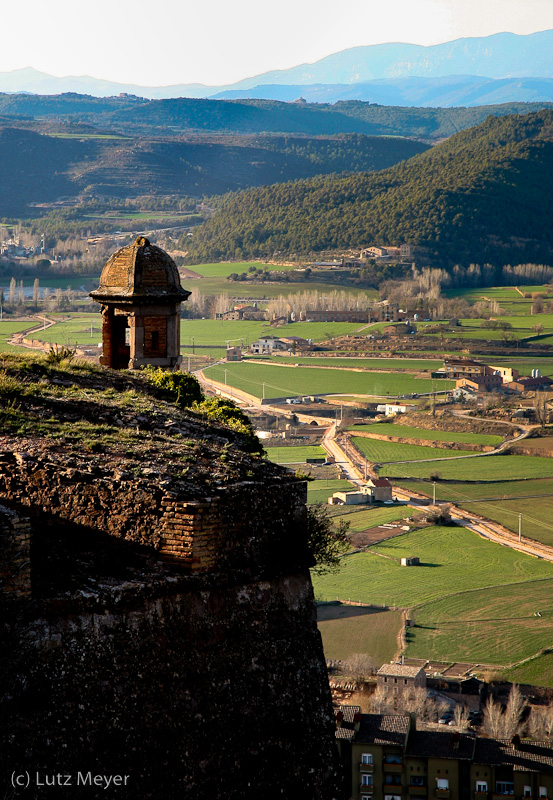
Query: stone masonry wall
(207, 689)
(15, 555)
(225, 530)
(192, 664)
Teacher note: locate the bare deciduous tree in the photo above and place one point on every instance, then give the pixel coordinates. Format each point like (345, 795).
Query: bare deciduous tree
(491, 722)
(461, 716)
(540, 722)
(512, 715)
(359, 666)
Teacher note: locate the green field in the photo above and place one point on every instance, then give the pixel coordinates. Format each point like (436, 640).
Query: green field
(292, 381)
(497, 625)
(7, 329)
(219, 332)
(472, 600)
(319, 491)
(224, 269)
(537, 672)
(363, 518)
(526, 365)
(75, 331)
(521, 326)
(506, 500)
(498, 293)
(481, 468)
(380, 452)
(401, 364)
(347, 630)
(258, 290)
(391, 429)
(452, 560)
(294, 455)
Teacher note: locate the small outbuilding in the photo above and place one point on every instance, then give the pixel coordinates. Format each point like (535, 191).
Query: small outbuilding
(397, 678)
(141, 294)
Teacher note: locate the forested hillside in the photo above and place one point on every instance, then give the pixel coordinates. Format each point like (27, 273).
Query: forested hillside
(134, 116)
(37, 168)
(483, 195)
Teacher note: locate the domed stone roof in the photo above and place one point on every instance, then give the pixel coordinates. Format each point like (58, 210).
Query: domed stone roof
(140, 272)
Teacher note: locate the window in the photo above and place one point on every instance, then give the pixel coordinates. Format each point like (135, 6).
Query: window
(366, 780)
(392, 797)
(366, 797)
(542, 791)
(504, 787)
(527, 791)
(392, 758)
(155, 340)
(481, 786)
(367, 758)
(442, 783)
(417, 780)
(392, 780)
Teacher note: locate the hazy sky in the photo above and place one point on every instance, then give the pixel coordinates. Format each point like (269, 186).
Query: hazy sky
(222, 41)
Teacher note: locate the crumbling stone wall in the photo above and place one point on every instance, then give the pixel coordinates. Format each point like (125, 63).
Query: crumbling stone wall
(226, 530)
(15, 555)
(198, 675)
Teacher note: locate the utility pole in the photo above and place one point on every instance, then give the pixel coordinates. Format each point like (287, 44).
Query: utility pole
(263, 397)
(434, 493)
(520, 527)
(192, 345)
(188, 363)
(225, 377)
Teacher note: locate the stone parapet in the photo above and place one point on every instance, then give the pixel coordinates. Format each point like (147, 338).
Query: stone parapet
(15, 555)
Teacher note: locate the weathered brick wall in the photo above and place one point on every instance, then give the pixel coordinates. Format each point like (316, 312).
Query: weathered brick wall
(197, 682)
(155, 326)
(206, 690)
(15, 555)
(244, 526)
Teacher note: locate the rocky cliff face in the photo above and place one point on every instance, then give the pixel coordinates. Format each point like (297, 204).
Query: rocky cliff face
(168, 636)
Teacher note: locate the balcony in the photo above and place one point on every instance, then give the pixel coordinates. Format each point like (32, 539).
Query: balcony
(442, 794)
(366, 767)
(368, 790)
(481, 795)
(418, 791)
(393, 768)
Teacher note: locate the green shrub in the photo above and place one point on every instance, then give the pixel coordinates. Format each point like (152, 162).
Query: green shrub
(326, 539)
(58, 353)
(180, 387)
(9, 386)
(226, 412)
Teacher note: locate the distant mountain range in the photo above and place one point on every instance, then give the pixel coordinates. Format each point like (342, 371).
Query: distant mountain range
(446, 92)
(395, 73)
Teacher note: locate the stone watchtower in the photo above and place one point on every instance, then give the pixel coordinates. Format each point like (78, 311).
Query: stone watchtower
(141, 295)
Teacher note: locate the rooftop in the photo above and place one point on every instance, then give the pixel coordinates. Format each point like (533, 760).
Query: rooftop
(440, 744)
(140, 272)
(383, 729)
(525, 757)
(400, 670)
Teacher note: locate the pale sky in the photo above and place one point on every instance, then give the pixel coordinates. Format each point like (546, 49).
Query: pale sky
(222, 41)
